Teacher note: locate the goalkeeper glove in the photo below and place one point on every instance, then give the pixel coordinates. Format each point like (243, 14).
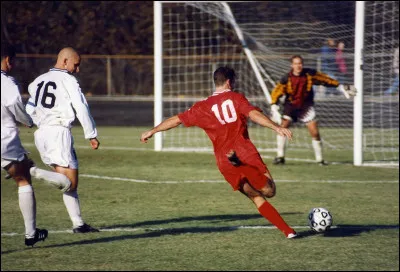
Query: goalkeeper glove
(275, 114)
(347, 90)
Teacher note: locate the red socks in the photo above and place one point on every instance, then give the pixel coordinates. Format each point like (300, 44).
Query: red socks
(271, 214)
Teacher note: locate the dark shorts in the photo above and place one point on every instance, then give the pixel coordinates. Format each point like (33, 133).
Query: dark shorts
(304, 114)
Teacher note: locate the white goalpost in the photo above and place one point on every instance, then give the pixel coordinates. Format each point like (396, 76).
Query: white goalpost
(257, 39)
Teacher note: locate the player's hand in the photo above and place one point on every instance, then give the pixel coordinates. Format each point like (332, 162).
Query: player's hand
(347, 90)
(275, 114)
(146, 135)
(94, 143)
(285, 132)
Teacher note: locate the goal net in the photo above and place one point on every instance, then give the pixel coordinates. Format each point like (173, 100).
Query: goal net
(257, 39)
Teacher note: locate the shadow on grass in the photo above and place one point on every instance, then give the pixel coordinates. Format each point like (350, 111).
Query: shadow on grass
(347, 230)
(211, 218)
(337, 231)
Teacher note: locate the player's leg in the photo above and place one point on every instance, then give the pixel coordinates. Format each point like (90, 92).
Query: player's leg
(316, 141)
(19, 171)
(56, 149)
(266, 209)
(281, 142)
(71, 201)
(58, 180)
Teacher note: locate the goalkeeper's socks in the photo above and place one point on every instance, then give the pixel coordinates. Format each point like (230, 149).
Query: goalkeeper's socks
(271, 214)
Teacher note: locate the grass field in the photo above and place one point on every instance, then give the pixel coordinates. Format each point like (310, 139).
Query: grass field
(173, 211)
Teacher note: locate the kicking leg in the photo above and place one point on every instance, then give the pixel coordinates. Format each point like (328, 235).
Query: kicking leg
(265, 208)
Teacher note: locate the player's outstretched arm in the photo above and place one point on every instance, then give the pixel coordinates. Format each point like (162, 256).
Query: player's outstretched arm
(171, 122)
(348, 90)
(262, 120)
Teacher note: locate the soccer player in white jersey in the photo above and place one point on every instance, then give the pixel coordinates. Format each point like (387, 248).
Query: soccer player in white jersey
(14, 157)
(55, 97)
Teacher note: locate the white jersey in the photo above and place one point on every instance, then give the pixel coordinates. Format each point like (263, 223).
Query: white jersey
(12, 110)
(54, 97)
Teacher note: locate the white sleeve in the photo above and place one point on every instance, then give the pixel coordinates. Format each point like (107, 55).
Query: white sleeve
(81, 108)
(31, 110)
(18, 110)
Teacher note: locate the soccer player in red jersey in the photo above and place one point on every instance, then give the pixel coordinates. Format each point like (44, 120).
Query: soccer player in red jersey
(223, 116)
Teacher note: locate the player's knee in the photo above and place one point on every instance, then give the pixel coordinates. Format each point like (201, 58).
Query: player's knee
(21, 180)
(269, 190)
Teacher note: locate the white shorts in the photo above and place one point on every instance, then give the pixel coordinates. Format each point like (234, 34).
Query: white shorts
(56, 146)
(11, 146)
(5, 162)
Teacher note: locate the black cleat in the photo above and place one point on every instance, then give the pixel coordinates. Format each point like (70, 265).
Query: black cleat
(232, 157)
(84, 229)
(40, 235)
(279, 160)
(322, 163)
(7, 176)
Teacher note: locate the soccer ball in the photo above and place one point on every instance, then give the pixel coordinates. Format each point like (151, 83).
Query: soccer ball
(319, 219)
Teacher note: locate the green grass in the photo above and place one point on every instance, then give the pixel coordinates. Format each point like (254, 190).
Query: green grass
(194, 226)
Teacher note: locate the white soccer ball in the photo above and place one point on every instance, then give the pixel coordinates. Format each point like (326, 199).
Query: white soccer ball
(319, 219)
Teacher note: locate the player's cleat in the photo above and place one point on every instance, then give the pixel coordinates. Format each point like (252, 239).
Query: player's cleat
(279, 160)
(293, 236)
(40, 235)
(232, 157)
(84, 229)
(322, 163)
(7, 176)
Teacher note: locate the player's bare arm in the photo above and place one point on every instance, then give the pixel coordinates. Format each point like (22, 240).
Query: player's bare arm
(171, 122)
(262, 120)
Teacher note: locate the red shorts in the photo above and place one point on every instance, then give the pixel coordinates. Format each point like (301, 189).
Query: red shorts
(252, 170)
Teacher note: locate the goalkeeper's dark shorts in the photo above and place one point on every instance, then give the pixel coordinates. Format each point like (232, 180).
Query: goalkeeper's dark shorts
(304, 114)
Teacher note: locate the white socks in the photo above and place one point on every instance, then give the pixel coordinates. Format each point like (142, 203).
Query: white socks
(317, 145)
(27, 204)
(56, 179)
(281, 146)
(71, 201)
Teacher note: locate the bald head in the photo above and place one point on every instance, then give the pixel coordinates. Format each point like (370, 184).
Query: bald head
(68, 59)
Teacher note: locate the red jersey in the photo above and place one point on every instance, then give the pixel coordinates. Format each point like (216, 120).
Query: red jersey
(223, 116)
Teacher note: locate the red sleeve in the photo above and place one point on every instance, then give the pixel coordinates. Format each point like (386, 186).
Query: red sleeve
(189, 117)
(245, 107)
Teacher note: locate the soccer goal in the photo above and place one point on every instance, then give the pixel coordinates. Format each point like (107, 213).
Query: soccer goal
(257, 39)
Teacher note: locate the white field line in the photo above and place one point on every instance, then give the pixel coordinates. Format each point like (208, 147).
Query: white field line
(209, 151)
(181, 229)
(222, 181)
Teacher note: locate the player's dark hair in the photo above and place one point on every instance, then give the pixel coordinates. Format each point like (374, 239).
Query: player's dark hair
(296, 57)
(7, 51)
(222, 74)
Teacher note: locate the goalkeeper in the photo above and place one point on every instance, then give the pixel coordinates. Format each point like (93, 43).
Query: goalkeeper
(299, 104)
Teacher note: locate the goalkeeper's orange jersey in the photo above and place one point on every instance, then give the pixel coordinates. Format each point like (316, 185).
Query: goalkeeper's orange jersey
(223, 116)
